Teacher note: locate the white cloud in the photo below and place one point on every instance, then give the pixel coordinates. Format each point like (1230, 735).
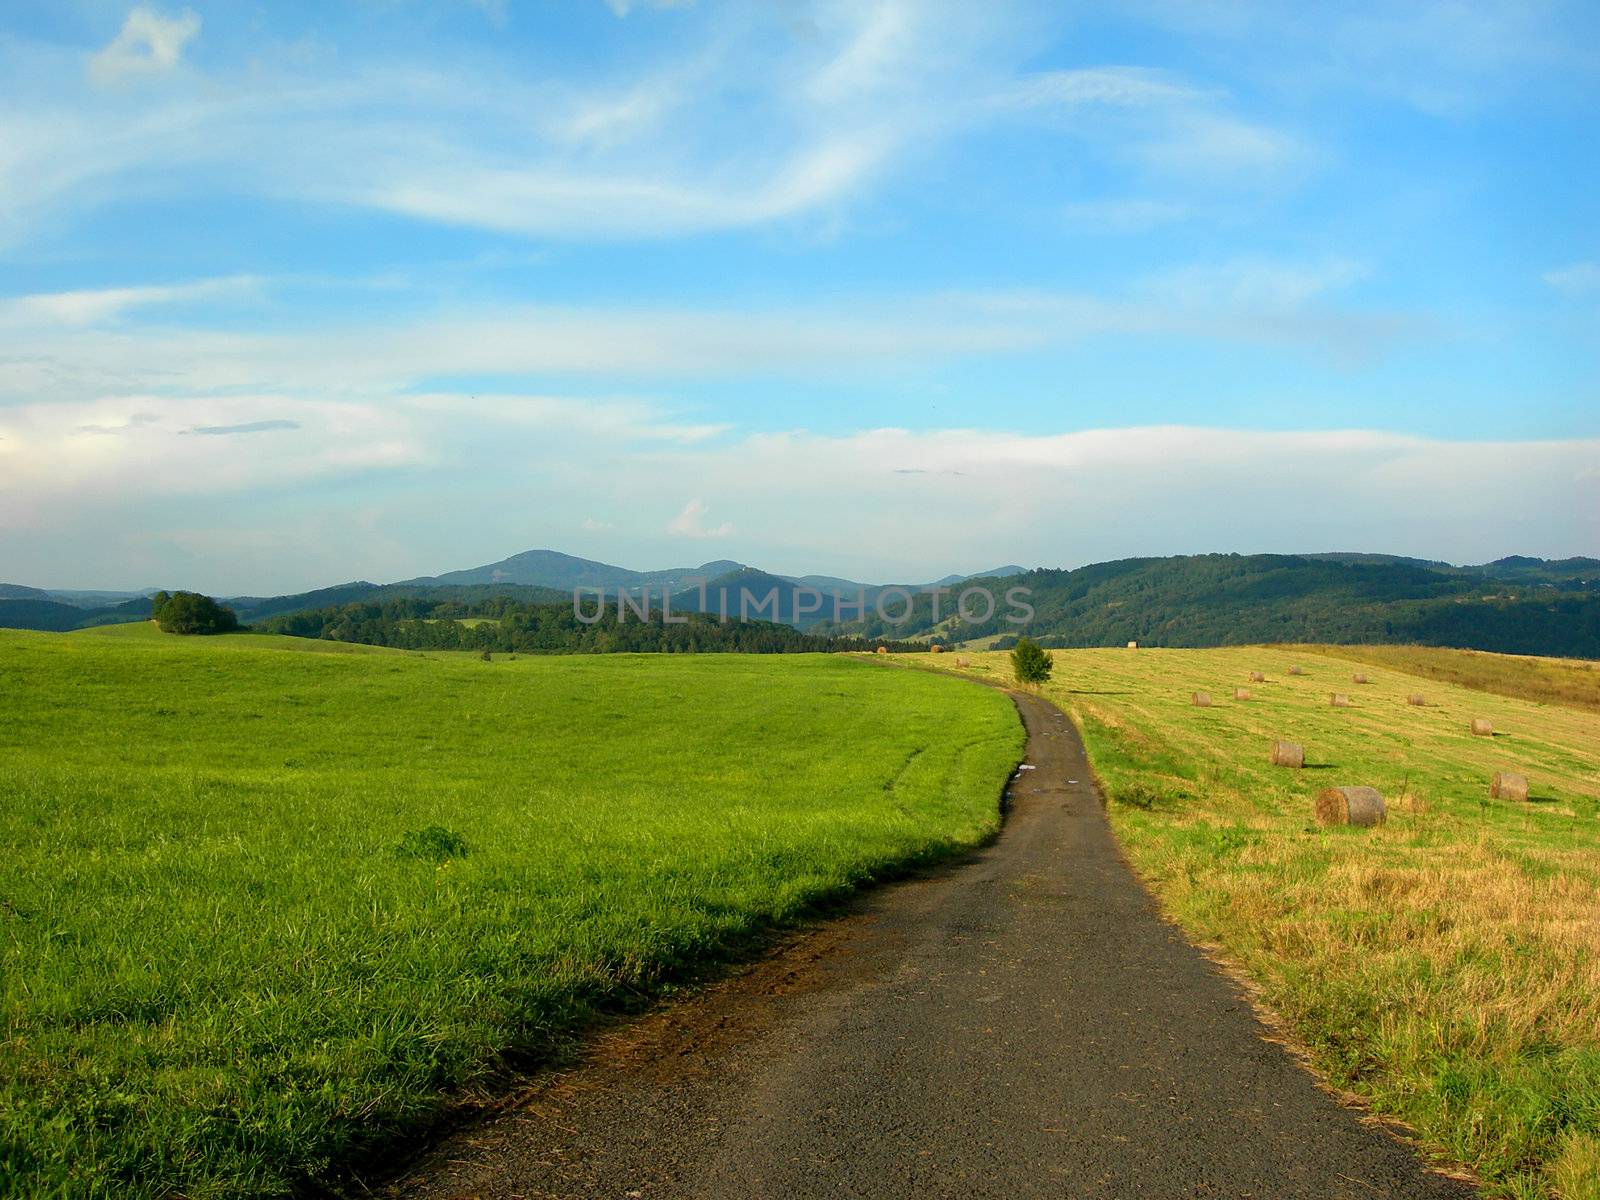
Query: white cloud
(99, 474)
(96, 305)
(1160, 123)
(1247, 301)
(1118, 87)
(1130, 215)
(1574, 278)
(622, 8)
(691, 522)
(1210, 149)
(148, 44)
(1249, 284)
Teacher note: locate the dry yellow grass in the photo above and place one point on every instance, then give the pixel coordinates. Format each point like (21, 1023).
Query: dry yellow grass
(1444, 966)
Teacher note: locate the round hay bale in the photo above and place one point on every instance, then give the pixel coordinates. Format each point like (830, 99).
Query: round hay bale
(1339, 700)
(1258, 677)
(883, 650)
(1482, 728)
(936, 649)
(1508, 785)
(961, 662)
(1201, 700)
(1288, 754)
(1241, 693)
(1358, 678)
(1296, 671)
(1416, 699)
(1350, 806)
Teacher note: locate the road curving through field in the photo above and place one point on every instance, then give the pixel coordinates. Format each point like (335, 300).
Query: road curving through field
(1020, 1024)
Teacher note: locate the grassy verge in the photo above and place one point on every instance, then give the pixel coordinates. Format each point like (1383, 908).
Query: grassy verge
(1445, 967)
(265, 907)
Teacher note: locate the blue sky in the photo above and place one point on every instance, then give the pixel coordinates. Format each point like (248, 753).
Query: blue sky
(292, 294)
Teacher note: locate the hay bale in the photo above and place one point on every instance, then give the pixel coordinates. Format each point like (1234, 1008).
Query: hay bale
(1241, 693)
(1296, 671)
(1350, 806)
(936, 649)
(1358, 678)
(961, 662)
(1288, 754)
(883, 649)
(1508, 785)
(1339, 700)
(1258, 677)
(1201, 700)
(1133, 645)
(1416, 699)
(1482, 728)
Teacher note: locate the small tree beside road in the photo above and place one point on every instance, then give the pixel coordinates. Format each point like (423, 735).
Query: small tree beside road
(1031, 662)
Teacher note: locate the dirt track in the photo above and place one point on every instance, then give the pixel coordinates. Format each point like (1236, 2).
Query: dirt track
(1022, 1024)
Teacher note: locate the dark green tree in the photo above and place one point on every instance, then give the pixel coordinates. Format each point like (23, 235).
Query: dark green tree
(190, 612)
(1030, 662)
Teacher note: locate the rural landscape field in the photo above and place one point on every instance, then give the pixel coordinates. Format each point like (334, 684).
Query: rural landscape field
(266, 911)
(1444, 967)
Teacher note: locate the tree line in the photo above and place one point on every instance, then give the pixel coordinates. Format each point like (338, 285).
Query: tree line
(506, 625)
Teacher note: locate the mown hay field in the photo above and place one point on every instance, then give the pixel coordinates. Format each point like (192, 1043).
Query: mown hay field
(267, 904)
(1445, 966)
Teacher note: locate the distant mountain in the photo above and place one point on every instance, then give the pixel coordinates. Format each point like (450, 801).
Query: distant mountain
(552, 569)
(258, 608)
(52, 616)
(1519, 604)
(15, 591)
(48, 615)
(252, 609)
(94, 599)
(997, 573)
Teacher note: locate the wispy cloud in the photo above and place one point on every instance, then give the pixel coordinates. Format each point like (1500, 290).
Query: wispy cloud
(1128, 215)
(691, 522)
(1574, 278)
(148, 44)
(245, 427)
(91, 306)
(1116, 87)
(1253, 284)
(1239, 301)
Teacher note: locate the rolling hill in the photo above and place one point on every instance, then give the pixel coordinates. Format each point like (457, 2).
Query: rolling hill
(1515, 604)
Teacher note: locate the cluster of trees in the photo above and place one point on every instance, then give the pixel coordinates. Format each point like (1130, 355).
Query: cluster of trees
(1229, 599)
(190, 612)
(504, 624)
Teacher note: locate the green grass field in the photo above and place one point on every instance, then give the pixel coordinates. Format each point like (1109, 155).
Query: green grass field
(242, 947)
(1445, 967)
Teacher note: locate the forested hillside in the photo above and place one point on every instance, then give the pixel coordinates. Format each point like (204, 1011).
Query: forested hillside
(1225, 599)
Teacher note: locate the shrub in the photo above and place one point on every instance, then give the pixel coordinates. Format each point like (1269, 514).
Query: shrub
(1030, 663)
